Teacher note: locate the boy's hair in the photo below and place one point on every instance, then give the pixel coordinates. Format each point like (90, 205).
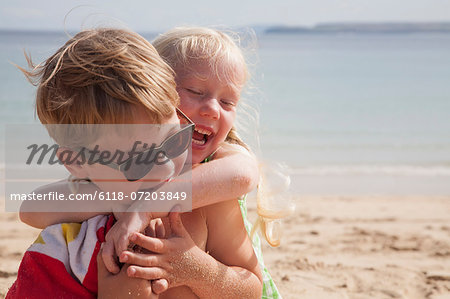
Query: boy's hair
(181, 45)
(103, 76)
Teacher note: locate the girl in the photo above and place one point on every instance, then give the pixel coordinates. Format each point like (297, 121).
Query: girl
(210, 72)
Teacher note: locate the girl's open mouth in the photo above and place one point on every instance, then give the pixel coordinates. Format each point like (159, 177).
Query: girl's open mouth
(200, 136)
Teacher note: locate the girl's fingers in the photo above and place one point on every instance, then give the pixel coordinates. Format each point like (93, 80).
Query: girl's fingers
(149, 273)
(152, 228)
(159, 229)
(176, 224)
(109, 257)
(139, 259)
(159, 286)
(152, 244)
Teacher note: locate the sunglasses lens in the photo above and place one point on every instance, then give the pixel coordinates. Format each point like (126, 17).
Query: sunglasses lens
(136, 171)
(174, 146)
(178, 143)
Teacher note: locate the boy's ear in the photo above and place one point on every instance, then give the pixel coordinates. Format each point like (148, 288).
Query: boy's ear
(72, 161)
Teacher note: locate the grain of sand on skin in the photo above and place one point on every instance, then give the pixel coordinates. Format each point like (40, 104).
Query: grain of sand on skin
(333, 247)
(364, 247)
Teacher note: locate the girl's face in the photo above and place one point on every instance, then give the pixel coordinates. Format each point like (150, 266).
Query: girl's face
(210, 103)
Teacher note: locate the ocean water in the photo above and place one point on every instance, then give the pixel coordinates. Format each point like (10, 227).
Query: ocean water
(348, 114)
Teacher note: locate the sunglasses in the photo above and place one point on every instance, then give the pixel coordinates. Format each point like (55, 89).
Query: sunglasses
(173, 146)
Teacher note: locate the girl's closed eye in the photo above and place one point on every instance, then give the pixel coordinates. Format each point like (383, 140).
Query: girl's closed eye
(194, 91)
(228, 102)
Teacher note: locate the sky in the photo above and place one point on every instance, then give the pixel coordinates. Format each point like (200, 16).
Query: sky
(151, 16)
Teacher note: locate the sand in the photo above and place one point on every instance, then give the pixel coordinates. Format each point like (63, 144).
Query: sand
(333, 247)
(364, 247)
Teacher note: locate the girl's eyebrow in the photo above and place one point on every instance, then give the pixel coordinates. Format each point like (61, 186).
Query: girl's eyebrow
(194, 78)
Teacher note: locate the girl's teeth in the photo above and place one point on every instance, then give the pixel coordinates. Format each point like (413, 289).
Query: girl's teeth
(201, 131)
(199, 142)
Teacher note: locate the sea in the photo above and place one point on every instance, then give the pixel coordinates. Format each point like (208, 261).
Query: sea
(343, 114)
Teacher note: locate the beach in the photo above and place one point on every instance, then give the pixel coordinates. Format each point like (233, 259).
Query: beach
(354, 114)
(332, 247)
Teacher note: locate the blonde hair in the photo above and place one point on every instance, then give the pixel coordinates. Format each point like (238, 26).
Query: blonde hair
(273, 202)
(181, 45)
(221, 51)
(102, 76)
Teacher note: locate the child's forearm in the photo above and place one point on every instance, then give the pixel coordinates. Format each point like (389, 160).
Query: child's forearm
(212, 279)
(222, 179)
(41, 214)
(228, 176)
(44, 219)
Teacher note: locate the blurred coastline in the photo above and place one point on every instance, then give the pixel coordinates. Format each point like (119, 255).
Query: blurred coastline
(349, 112)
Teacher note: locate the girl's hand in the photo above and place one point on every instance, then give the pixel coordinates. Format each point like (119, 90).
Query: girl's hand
(118, 237)
(171, 258)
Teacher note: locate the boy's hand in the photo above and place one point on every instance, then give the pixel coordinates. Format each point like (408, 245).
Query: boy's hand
(172, 258)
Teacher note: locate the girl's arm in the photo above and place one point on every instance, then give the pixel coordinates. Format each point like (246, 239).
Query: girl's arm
(229, 270)
(232, 260)
(232, 173)
(58, 211)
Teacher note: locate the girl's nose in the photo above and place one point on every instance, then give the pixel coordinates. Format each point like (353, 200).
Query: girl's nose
(211, 109)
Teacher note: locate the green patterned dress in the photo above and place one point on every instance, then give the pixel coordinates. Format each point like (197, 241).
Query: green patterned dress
(269, 288)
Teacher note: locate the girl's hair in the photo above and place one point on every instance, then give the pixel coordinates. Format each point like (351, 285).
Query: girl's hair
(273, 202)
(181, 46)
(101, 76)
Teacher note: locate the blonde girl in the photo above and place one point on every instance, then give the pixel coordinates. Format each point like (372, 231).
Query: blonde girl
(210, 72)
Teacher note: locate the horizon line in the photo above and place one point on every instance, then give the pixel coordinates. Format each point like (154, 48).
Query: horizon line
(266, 26)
